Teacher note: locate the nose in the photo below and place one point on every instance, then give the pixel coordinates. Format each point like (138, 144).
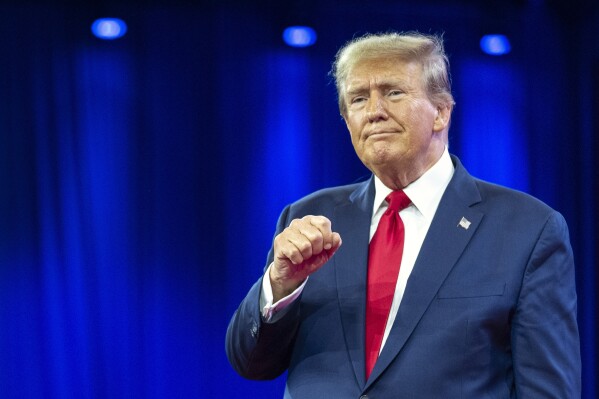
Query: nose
(377, 108)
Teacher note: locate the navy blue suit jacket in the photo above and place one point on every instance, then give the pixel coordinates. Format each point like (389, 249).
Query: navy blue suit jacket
(489, 311)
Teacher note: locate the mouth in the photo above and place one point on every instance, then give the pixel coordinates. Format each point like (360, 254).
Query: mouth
(381, 134)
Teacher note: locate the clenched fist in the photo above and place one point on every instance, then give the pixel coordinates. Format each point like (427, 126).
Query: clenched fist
(300, 250)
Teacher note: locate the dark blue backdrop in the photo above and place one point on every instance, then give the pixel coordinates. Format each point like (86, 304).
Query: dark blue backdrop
(142, 178)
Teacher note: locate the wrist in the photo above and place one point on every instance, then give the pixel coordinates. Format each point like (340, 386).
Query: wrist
(281, 287)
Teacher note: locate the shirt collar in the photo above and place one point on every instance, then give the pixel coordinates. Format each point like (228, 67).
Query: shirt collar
(425, 192)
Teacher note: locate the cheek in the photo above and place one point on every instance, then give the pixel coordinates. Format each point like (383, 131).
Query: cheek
(354, 129)
(357, 143)
(420, 117)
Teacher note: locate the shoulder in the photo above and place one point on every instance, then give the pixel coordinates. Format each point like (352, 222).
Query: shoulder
(486, 195)
(507, 206)
(328, 198)
(338, 193)
(497, 195)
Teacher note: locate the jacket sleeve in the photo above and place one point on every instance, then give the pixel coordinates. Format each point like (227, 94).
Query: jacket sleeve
(545, 340)
(259, 350)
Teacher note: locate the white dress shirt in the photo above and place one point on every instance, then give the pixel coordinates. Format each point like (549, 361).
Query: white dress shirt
(425, 193)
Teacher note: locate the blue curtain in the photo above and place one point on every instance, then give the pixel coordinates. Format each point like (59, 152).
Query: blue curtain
(142, 178)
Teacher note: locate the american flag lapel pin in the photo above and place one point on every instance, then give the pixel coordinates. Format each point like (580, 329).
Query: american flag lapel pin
(464, 223)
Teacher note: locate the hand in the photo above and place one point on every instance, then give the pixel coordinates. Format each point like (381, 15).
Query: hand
(300, 250)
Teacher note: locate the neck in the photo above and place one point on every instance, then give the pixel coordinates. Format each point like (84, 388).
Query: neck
(399, 175)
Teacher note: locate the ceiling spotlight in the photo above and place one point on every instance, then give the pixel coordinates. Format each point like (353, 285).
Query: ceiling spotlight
(109, 28)
(299, 36)
(495, 44)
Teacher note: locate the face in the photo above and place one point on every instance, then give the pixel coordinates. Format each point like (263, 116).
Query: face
(395, 129)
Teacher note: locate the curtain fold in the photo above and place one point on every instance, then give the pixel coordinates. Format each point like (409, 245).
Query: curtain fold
(142, 179)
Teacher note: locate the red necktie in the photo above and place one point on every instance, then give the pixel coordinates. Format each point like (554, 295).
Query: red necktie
(384, 258)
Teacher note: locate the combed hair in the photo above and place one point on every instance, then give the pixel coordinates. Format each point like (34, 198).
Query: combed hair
(408, 46)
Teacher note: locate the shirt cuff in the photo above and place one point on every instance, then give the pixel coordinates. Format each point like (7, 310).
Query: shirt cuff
(271, 312)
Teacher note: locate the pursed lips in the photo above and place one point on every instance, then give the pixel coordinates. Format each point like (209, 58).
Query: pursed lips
(379, 133)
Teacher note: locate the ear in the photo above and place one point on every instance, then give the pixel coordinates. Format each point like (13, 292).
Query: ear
(442, 117)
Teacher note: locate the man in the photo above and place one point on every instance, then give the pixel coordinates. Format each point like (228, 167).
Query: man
(483, 304)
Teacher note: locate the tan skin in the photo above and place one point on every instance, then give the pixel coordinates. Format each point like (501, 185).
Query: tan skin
(396, 131)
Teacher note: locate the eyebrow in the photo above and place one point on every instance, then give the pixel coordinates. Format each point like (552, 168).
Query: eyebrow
(384, 84)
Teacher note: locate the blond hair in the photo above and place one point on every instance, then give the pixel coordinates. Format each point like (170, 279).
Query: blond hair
(409, 46)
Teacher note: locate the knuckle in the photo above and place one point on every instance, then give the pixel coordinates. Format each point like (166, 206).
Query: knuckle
(304, 247)
(288, 252)
(280, 239)
(294, 223)
(311, 234)
(292, 254)
(318, 239)
(321, 221)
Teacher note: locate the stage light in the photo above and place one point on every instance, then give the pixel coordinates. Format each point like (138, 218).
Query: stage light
(109, 28)
(495, 44)
(299, 36)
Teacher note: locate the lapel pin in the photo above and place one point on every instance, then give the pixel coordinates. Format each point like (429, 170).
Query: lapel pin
(464, 223)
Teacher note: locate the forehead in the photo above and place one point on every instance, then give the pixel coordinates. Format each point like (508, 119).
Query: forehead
(385, 71)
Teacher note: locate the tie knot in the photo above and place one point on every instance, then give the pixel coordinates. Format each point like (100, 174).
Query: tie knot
(398, 200)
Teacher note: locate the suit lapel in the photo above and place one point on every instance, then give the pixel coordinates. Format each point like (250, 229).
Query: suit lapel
(443, 245)
(352, 222)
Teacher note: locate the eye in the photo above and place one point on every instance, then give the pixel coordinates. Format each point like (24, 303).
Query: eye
(357, 100)
(395, 93)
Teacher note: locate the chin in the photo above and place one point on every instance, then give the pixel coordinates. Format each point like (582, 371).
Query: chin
(382, 156)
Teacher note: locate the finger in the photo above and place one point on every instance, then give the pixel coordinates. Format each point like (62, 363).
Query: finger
(314, 236)
(323, 224)
(309, 235)
(311, 232)
(320, 222)
(302, 245)
(330, 238)
(286, 250)
(299, 242)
